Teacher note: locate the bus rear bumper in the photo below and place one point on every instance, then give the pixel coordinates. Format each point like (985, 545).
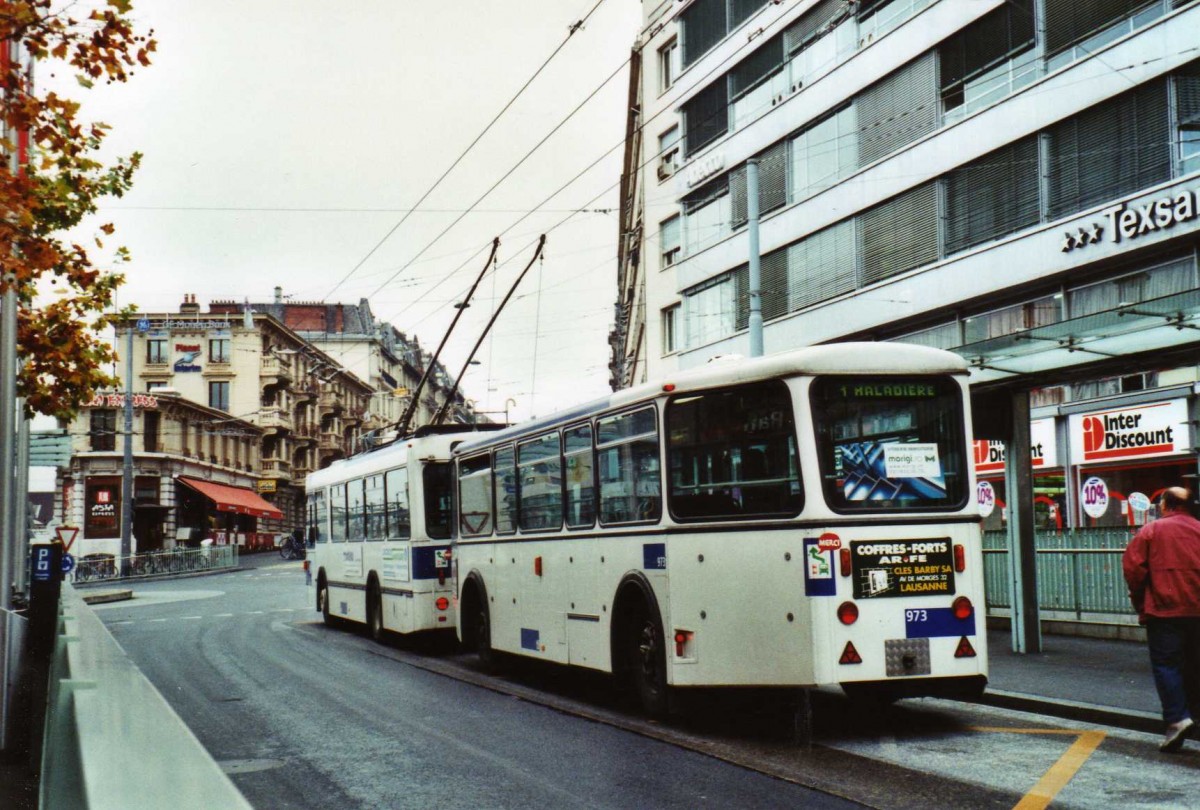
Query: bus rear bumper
(962, 687)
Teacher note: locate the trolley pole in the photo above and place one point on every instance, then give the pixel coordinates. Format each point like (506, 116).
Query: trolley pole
(756, 320)
(127, 469)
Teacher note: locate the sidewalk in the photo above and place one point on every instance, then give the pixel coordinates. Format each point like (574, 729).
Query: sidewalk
(1093, 680)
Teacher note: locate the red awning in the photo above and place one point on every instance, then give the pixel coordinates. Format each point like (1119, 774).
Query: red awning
(239, 500)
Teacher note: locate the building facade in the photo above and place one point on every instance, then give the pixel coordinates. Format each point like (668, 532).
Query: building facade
(391, 362)
(1014, 180)
(196, 471)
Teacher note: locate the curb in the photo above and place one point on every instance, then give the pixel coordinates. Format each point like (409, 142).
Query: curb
(103, 597)
(1073, 710)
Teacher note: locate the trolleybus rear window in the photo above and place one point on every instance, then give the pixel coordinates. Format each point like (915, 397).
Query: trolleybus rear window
(732, 454)
(890, 443)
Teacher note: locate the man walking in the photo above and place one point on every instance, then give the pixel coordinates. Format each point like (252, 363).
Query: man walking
(1162, 569)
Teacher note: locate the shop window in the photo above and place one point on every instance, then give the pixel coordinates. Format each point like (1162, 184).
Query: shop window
(150, 427)
(219, 350)
(670, 325)
(1166, 279)
(218, 395)
(103, 432)
(668, 61)
(945, 336)
(1013, 319)
(156, 351)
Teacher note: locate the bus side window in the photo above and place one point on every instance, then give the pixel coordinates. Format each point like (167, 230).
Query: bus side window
(579, 477)
(475, 496)
(627, 457)
(356, 516)
(399, 521)
(505, 485)
(337, 509)
(539, 470)
(376, 508)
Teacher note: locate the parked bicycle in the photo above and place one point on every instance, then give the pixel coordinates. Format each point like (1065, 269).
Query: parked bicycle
(293, 549)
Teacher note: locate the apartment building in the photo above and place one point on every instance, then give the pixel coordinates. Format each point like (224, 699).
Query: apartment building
(1013, 180)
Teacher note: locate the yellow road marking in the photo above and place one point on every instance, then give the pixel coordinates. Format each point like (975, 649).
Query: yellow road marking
(1060, 772)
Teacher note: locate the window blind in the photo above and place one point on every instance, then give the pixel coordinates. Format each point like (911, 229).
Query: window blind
(900, 234)
(822, 265)
(810, 24)
(706, 116)
(748, 73)
(1069, 21)
(1187, 94)
(772, 184)
(704, 25)
(898, 110)
(742, 10)
(992, 39)
(992, 196)
(1110, 150)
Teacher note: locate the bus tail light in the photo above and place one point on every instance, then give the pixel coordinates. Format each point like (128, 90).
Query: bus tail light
(960, 557)
(442, 603)
(844, 561)
(683, 640)
(537, 566)
(441, 576)
(964, 649)
(962, 608)
(850, 655)
(847, 613)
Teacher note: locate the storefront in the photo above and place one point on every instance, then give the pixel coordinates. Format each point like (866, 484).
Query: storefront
(223, 513)
(1118, 460)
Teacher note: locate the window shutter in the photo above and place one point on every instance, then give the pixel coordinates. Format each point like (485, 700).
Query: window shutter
(774, 270)
(986, 42)
(772, 184)
(749, 72)
(707, 193)
(1110, 150)
(1187, 94)
(898, 110)
(742, 10)
(1069, 21)
(900, 234)
(822, 265)
(809, 26)
(992, 196)
(704, 25)
(706, 116)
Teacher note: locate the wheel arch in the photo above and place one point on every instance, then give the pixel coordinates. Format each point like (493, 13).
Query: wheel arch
(634, 593)
(472, 593)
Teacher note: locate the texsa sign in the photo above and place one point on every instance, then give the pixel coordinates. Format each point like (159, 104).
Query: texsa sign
(1138, 432)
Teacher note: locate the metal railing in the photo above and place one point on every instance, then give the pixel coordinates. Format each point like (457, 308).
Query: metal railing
(1078, 571)
(104, 567)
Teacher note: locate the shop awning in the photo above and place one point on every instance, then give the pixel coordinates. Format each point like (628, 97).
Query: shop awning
(226, 498)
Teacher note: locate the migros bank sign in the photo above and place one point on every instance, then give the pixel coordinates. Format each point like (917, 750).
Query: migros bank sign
(1130, 433)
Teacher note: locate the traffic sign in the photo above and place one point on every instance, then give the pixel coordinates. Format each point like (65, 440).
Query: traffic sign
(66, 535)
(68, 562)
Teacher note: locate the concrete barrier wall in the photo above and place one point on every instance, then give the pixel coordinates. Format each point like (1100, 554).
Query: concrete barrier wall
(111, 740)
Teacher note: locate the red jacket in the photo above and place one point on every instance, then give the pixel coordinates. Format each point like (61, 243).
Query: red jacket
(1162, 568)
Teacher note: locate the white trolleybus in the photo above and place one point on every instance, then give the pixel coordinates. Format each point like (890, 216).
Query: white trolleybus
(381, 522)
(797, 520)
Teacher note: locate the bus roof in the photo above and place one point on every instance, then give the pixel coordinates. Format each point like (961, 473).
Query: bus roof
(436, 444)
(832, 358)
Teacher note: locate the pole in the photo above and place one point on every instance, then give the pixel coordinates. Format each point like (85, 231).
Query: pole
(756, 321)
(21, 502)
(8, 437)
(127, 469)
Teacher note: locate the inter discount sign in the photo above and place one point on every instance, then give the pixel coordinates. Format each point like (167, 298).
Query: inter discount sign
(1139, 432)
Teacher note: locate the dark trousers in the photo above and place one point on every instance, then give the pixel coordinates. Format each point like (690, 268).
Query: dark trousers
(1175, 660)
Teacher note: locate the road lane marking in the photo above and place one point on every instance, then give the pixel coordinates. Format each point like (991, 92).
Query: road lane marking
(222, 616)
(190, 618)
(1062, 771)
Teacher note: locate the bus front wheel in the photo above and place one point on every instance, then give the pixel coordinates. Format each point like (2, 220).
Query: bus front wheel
(483, 638)
(323, 602)
(646, 655)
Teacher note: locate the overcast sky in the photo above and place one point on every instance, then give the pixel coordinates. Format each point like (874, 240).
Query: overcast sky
(284, 139)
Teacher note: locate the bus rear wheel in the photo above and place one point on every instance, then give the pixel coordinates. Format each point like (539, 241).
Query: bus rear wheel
(375, 614)
(483, 638)
(646, 657)
(323, 602)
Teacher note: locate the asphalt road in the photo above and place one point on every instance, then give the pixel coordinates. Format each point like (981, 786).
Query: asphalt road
(305, 717)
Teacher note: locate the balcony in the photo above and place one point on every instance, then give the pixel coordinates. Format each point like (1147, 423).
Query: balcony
(275, 420)
(275, 371)
(329, 441)
(276, 468)
(304, 392)
(329, 402)
(353, 418)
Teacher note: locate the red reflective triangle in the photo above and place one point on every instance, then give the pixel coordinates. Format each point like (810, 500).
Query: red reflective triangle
(850, 655)
(965, 650)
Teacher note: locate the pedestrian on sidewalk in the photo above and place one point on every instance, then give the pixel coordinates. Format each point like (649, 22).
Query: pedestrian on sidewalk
(1162, 569)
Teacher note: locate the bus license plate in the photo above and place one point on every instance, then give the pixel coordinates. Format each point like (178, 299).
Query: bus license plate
(936, 623)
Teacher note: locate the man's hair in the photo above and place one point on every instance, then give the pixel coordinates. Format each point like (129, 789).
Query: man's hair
(1176, 498)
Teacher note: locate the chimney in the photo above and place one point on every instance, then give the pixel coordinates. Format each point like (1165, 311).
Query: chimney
(189, 303)
(279, 295)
